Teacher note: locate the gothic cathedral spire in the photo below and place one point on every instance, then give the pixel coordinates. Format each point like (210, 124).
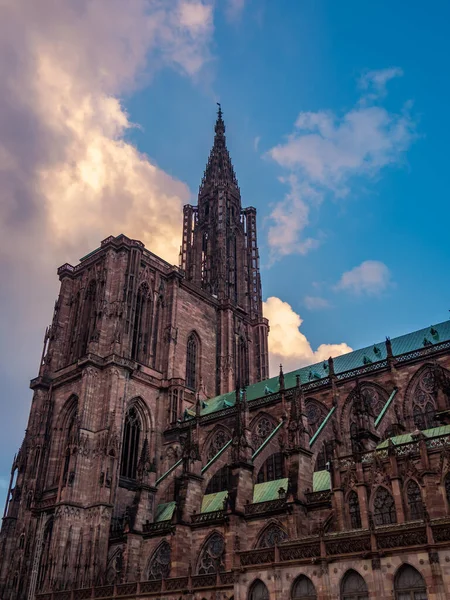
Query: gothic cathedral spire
(219, 250)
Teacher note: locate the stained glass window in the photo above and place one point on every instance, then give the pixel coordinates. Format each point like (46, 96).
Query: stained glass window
(258, 591)
(271, 536)
(409, 584)
(272, 469)
(354, 587)
(212, 556)
(191, 362)
(130, 444)
(414, 498)
(384, 507)
(303, 589)
(159, 567)
(424, 407)
(353, 507)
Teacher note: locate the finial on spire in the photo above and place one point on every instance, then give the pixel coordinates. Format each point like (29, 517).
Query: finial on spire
(219, 110)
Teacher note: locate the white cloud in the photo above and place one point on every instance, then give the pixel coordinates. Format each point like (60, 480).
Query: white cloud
(289, 218)
(328, 153)
(374, 82)
(287, 344)
(371, 278)
(315, 302)
(68, 176)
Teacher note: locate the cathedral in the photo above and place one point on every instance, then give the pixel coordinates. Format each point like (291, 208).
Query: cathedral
(161, 462)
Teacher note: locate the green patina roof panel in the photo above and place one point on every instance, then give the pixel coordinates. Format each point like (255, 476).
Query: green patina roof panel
(164, 512)
(407, 437)
(358, 358)
(263, 492)
(321, 481)
(212, 502)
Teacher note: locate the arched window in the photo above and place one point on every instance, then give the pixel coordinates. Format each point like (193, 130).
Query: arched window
(192, 362)
(89, 317)
(130, 444)
(384, 507)
(212, 555)
(37, 455)
(353, 508)
(46, 557)
(219, 482)
(271, 536)
(409, 584)
(272, 469)
(315, 413)
(414, 498)
(261, 430)
(354, 587)
(324, 456)
(242, 363)
(424, 408)
(303, 589)
(141, 324)
(258, 591)
(22, 541)
(218, 441)
(159, 567)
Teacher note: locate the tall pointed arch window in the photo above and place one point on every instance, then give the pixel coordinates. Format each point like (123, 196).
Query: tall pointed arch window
(409, 584)
(272, 469)
(89, 317)
(354, 511)
(303, 589)
(414, 499)
(69, 440)
(192, 357)
(354, 587)
(273, 535)
(130, 444)
(384, 507)
(160, 562)
(141, 324)
(424, 407)
(242, 377)
(258, 591)
(212, 556)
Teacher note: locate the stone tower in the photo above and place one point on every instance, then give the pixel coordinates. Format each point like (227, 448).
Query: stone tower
(220, 254)
(134, 344)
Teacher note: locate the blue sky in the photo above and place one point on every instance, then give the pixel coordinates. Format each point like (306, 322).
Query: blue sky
(337, 123)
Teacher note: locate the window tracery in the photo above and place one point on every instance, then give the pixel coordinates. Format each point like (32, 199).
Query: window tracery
(414, 499)
(261, 431)
(191, 362)
(130, 444)
(372, 400)
(212, 556)
(384, 507)
(409, 584)
(242, 363)
(160, 562)
(354, 587)
(353, 507)
(258, 591)
(315, 415)
(303, 589)
(141, 324)
(272, 468)
(424, 407)
(273, 535)
(220, 438)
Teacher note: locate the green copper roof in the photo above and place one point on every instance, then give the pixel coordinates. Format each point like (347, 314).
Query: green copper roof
(212, 502)
(263, 492)
(164, 512)
(407, 437)
(358, 358)
(321, 481)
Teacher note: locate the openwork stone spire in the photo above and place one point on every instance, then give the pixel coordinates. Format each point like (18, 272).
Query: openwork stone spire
(219, 170)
